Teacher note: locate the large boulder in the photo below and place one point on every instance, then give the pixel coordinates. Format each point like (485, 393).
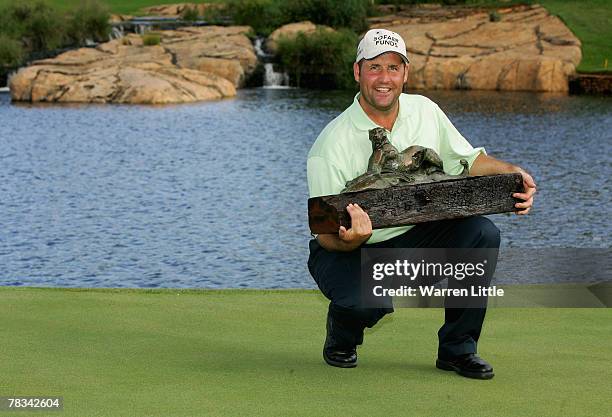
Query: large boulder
(177, 9)
(189, 64)
(119, 18)
(526, 49)
(290, 31)
(225, 51)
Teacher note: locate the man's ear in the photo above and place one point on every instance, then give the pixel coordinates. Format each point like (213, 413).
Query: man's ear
(356, 71)
(406, 69)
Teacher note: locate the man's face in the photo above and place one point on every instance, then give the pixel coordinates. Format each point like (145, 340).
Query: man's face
(381, 80)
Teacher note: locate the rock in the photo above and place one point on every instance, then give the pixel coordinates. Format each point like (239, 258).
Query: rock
(118, 18)
(290, 31)
(176, 10)
(211, 48)
(190, 64)
(591, 84)
(230, 69)
(528, 49)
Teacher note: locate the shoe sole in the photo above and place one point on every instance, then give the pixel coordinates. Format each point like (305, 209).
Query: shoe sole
(445, 366)
(338, 364)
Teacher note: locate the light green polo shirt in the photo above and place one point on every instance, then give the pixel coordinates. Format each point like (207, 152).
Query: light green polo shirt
(342, 150)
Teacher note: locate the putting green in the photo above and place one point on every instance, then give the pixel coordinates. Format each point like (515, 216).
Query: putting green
(213, 353)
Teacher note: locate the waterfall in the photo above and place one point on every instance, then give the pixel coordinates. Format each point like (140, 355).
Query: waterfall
(259, 50)
(117, 32)
(272, 78)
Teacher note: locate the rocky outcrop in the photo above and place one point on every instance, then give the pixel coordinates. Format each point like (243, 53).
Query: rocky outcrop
(177, 9)
(526, 49)
(224, 51)
(290, 31)
(119, 18)
(189, 64)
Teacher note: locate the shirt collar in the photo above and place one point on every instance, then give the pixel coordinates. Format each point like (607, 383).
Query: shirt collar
(361, 120)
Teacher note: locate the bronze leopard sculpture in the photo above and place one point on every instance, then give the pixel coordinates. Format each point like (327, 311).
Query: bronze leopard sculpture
(388, 168)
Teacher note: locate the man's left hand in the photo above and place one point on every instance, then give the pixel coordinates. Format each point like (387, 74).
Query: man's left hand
(529, 186)
(487, 165)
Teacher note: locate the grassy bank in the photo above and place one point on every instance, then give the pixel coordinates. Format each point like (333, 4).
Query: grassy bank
(591, 22)
(34, 30)
(116, 6)
(196, 353)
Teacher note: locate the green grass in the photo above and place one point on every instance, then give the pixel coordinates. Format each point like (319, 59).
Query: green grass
(116, 6)
(150, 39)
(214, 353)
(591, 22)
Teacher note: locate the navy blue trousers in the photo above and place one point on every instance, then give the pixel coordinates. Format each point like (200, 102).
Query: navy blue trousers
(338, 276)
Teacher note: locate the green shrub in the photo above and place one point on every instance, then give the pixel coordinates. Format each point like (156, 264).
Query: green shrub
(323, 59)
(266, 15)
(485, 3)
(43, 28)
(38, 24)
(89, 21)
(190, 14)
(262, 15)
(447, 2)
(151, 38)
(215, 15)
(11, 52)
(9, 24)
(338, 14)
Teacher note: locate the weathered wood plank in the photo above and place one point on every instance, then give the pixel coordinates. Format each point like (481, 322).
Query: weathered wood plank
(418, 203)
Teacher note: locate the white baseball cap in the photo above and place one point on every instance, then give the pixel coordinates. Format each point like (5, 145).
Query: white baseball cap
(378, 41)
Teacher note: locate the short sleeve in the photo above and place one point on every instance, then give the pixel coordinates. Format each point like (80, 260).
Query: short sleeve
(324, 178)
(454, 147)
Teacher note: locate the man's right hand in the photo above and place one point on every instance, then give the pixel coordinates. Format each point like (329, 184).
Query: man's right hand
(361, 226)
(351, 239)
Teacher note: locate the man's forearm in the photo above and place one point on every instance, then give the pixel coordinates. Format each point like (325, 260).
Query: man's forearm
(487, 165)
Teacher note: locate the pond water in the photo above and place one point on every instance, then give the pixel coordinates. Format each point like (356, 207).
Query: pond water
(213, 194)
